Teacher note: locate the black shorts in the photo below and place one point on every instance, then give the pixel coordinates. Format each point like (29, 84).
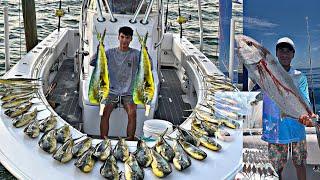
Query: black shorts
(115, 100)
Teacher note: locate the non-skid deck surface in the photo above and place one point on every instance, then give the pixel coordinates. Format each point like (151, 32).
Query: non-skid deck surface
(170, 104)
(65, 95)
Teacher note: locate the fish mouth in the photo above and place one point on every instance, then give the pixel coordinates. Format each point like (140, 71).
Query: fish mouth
(248, 49)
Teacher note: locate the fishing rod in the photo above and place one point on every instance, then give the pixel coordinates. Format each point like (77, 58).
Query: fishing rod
(313, 99)
(59, 13)
(316, 122)
(181, 20)
(166, 20)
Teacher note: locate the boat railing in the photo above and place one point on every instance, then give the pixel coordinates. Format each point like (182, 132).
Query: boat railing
(146, 16)
(101, 10)
(100, 17)
(112, 18)
(134, 19)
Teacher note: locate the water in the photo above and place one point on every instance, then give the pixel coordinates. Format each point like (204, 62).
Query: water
(47, 22)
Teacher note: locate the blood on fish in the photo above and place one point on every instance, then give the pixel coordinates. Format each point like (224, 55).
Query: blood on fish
(263, 63)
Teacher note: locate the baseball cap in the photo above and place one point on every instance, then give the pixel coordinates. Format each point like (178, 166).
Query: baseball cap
(284, 42)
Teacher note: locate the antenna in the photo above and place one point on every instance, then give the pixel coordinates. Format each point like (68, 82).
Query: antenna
(313, 100)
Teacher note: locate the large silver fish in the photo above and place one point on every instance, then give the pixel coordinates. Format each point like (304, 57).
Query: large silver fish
(271, 77)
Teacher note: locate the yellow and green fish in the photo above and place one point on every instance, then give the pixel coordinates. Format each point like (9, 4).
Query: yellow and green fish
(99, 82)
(143, 90)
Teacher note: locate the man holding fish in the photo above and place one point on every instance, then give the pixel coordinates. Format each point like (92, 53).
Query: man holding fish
(288, 133)
(286, 104)
(123, 64)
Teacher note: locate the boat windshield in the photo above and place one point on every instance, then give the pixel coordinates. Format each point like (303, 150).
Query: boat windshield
(126, 6)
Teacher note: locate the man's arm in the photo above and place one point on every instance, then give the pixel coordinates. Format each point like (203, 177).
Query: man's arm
(305, 119)
(303, 86)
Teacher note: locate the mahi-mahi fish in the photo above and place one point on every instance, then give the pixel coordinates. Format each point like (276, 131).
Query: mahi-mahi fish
(271, 77)
(15, 81)
(143, 90)
(99, 82)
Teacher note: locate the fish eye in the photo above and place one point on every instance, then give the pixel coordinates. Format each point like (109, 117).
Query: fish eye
(249, 43)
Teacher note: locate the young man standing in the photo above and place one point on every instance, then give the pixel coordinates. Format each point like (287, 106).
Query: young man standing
(122, 65)
(283, 133)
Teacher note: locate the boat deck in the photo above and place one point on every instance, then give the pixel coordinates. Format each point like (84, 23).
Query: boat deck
(64, 97)
(171, 106)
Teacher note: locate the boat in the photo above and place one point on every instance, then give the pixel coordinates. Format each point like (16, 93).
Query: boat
(252, 143)
(61, 63)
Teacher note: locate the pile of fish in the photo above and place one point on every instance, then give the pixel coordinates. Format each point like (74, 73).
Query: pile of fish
(256, 165)
(58, 141)
(16, 96)
(214, 113)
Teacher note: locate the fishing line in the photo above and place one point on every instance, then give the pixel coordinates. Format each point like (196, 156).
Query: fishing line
(310, 63)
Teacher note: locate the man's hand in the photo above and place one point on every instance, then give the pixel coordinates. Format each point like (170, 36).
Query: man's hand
(307, 119)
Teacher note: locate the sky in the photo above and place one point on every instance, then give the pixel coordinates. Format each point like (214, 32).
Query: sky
(267, 21)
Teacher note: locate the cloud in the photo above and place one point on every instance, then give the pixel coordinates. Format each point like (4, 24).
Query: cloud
(255, 23)
(317, 48)
(317, 30)
(270, 34)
